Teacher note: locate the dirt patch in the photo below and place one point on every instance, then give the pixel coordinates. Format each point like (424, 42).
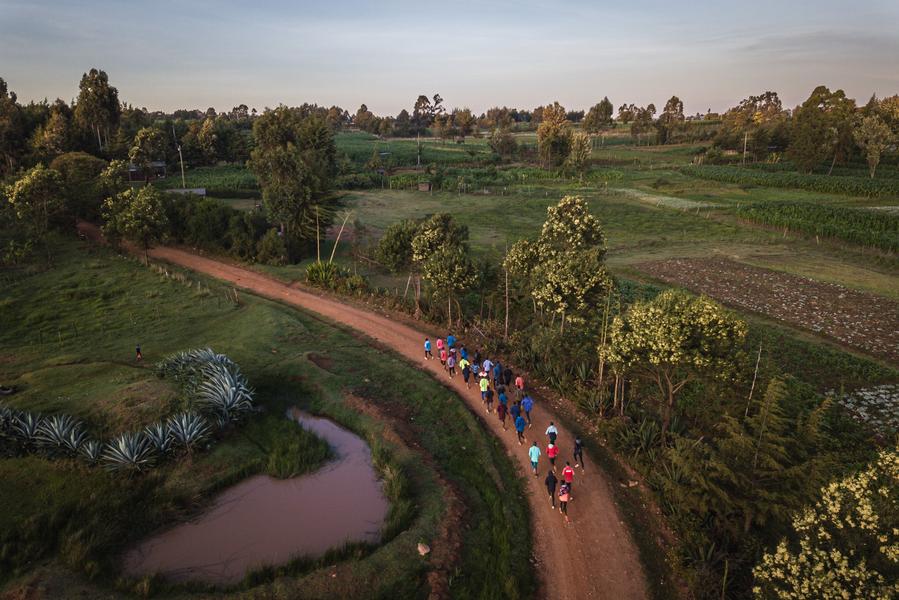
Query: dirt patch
(322, 362)
(446, 548)
(863, 321)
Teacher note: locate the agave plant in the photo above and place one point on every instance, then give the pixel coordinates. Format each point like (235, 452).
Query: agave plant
(61, 433)
(92, 450)
(160, 437)
(7, 418)
(26, 426)
(188, 429)
(128, 452)
(225, 393)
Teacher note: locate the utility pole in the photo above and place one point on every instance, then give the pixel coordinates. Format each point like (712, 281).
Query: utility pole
(418, 136)
(745, 140)
(180, 157)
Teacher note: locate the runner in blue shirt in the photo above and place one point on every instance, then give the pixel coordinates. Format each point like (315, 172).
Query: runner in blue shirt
(450, 340)
(503, 399)
(463, 352)
(428, 355)
(534, 455)
(520, 424)
(487, 366)
(497, 373)
(515, 410)
(527, 405)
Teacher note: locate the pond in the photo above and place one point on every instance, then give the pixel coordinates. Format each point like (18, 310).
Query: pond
(267, 521)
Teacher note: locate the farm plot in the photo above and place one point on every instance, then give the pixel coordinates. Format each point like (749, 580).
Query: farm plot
(860, 320)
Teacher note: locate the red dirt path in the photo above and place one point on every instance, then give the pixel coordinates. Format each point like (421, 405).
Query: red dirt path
(593, 557)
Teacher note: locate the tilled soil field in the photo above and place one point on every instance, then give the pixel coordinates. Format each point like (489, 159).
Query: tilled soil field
(858, 319)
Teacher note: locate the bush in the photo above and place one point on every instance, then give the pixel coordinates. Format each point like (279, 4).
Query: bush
(271, 249)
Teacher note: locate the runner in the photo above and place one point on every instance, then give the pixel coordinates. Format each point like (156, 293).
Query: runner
(489, 400)
(534, 455)
(501, 412)
(451, 366)
(503, 399)
(564, 499)
(568, 476)
(439, 345)
(519, 385)
(466, 371)
(527, 405)
(552, 433)
(551, 482)
(578, 453)
(484, 385)
(515, 411)
(552, 451)
(463, 352)
(497, 373)
(519, 429)
(477, 356)
(428, 355)
(443, 357)
(507, 376)
(451, 341)
(487, 366)
(139, 354)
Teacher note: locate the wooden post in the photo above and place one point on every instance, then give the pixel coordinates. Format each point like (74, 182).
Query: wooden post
(339, 233)
(745, 141)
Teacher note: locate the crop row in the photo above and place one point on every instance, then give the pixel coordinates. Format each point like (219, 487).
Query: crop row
(877, 229)
(853, 186)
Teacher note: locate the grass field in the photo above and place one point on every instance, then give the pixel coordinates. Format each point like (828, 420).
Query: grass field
(68, 337)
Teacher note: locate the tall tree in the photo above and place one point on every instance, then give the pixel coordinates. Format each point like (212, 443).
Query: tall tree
(97, 109)
(12, 130)
(464, 121)
(578, 157)
(822, 127)
(54, 137)
(845, 545)
(149, 147)
(553, 135)
(295, 163)
(675, 339)
(80, 173)
(440, 251)
(564, 268)
(137, 215)
(873, 136)
(671, 119)
(599, 117)
(37, 201)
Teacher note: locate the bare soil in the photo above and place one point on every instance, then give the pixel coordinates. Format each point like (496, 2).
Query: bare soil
(861, 320)
(593, 557)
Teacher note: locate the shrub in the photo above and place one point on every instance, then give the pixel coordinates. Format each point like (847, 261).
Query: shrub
(271, 249)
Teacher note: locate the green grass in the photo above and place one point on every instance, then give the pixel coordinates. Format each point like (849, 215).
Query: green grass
(65, 524)
(403, 152)
(221, 181)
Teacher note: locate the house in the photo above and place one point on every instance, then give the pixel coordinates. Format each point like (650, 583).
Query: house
(157, 171)
(424, 186)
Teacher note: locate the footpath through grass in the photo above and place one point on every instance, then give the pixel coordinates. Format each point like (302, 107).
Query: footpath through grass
(67, 337)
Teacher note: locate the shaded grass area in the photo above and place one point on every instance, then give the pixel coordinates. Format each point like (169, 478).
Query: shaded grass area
(403, 152)
(65, 525)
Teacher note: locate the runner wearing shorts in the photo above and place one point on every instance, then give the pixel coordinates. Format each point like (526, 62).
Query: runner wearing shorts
(489, 400)
(534, 455)
(552, 451)
(451, 366)
(501, 412)
(564, 499)
(484, 385)
(428, 355)
(550, 483)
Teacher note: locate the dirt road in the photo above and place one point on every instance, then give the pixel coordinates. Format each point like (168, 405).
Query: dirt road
(594, 556)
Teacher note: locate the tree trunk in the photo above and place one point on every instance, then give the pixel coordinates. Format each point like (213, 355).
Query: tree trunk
(832, 163)
(449, 309)
(506, 327)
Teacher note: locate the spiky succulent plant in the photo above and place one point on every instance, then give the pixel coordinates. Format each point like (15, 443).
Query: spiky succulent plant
(128, 452)
(92, 451)
(61, 433)
(26, 426)
(160, 437)
(188, 429)
(224, 393)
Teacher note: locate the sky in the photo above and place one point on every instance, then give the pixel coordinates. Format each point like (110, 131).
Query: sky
(194, 54)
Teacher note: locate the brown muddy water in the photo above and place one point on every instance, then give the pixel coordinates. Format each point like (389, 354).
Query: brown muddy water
(266, 521)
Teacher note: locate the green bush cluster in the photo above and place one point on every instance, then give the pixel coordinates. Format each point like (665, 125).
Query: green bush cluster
(848, 185)
(871, 228)
(331, 276)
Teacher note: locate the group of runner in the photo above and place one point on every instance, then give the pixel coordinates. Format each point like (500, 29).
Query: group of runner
(494, 381)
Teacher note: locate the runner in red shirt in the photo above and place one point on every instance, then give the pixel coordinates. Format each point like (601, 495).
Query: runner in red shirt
(552, 451)
(568, 475)
(501, 413)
